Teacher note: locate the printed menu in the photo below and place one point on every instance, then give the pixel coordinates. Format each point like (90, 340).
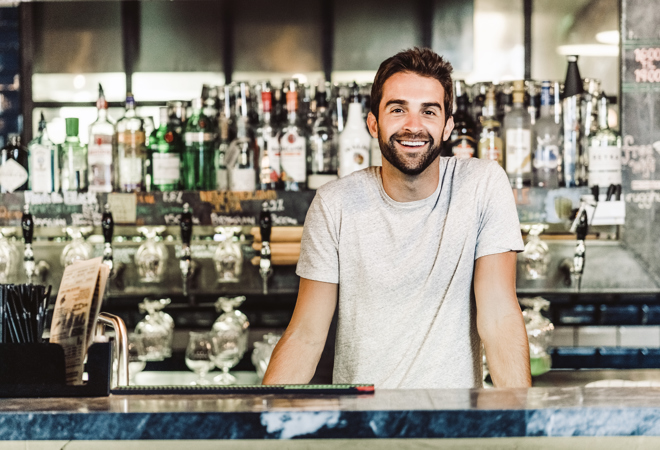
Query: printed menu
(77, 308)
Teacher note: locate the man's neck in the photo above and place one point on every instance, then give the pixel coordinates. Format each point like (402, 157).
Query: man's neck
(409, 188)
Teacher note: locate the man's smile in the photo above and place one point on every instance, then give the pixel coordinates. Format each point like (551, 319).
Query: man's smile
(411, 144)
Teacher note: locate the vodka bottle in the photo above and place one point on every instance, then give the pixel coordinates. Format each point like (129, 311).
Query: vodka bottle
(323, 144)
(518, 140)
(74, 160)
(269, 149)
(355, 140)
(604, 151)
(131, 149)
(101, 150)
(165, 155)
(199, 159)
(546, 139)
(490, 139)
(44, 164)
(13, 166)
(293, 145)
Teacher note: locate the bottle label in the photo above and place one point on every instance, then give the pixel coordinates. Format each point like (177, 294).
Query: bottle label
(271, 155)
(604, 165)
(518, 151)
(354, 157)
(463, 147)
(546, 156)
(12, 175)
(166, 168)
(195, 137)
(221, 179)
(42, 173)
(131, 138)
(130, 174)
(243, 180)
(293, 157)
(99, 158)
(490, 148)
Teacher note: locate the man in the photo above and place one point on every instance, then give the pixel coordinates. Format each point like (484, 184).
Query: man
(419, 255)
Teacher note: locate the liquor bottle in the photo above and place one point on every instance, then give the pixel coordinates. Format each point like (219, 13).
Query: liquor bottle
(589, 113)
(293, 145)
(462, 140)
(210, 98)
(518, 140)
(44, 161)
(101, 150)
(533, 100)
(199, 169)
(504, 102)
(604, 151)
(546, 138)
(131, 149)
(355, 140)
(572, 172)
(240, 159)
(73, 159)
(177, 114)
(221, 175)
(323, 144)
(490, 139)
(14, 166)
(479, 102)
(268, 144)
(165, 155)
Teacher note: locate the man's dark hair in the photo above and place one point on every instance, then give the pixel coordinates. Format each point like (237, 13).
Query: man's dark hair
(420, 61)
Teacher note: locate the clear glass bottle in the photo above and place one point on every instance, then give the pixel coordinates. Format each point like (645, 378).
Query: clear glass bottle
(490, 139)
(44, 161)
(240, 159)
(165, 155)
(269, 148)
(518, 140)
(73, 159)
(604, 151)
(131, 149)
(199, 168)
(293, 145)
(323, 145)
(355, 140)
(462, 140)
(101, 150)
(573, 148)
(14, 166)
(547, 143)
(221, 175)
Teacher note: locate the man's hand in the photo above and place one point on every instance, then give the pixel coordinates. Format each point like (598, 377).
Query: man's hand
(295, 357)
(500, 322)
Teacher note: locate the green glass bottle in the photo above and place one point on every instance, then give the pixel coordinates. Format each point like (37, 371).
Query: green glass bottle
(199, 156)
(73, 160)
(165, 154)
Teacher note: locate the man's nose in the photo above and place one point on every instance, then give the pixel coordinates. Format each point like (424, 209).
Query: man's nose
(413, 123)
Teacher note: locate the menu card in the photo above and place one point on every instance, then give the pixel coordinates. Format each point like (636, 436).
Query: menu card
(77, 308)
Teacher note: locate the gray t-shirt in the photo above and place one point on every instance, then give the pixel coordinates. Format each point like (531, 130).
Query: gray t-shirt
(407, 315)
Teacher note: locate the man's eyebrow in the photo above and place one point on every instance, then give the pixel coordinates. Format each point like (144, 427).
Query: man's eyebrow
(396, 102)
(432, 105)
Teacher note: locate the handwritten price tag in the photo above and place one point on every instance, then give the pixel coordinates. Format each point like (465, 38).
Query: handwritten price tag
(123, 207)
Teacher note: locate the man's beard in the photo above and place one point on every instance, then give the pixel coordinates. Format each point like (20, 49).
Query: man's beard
(410, 163)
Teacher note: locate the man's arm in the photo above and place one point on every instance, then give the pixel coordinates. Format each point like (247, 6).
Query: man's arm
(500, 322)
(296, 355)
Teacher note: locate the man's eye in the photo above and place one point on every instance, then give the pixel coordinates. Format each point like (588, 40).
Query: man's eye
(430, 113)
(397, 110)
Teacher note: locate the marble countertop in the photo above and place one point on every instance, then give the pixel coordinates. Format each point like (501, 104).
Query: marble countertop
(569, 411)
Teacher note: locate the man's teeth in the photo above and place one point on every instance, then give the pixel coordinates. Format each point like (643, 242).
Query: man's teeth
(413, 143)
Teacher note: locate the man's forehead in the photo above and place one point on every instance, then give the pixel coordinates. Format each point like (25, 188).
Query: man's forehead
(412, 87)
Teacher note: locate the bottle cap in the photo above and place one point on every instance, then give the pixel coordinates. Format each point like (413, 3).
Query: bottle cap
(42, 122)
(71, 126)
(573, 84)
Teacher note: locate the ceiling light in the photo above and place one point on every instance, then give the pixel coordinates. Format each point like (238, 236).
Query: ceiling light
(608, 37)
(588, 50)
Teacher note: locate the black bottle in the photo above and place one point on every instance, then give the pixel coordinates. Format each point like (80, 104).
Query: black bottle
(13, 166)
(463, 142)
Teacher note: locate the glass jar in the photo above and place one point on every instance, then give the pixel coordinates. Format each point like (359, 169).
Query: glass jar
(262, 351)
(539, 333)
(78, 249)
(9, 257)
(232, 318)
(228, 258)
(155, 330)
(536, 255)
(151, 257)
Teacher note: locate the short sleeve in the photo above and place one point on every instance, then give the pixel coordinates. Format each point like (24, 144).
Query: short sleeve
(319, 258)
(499, 228)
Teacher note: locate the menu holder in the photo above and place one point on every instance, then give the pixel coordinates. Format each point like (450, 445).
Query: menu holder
(39, 370)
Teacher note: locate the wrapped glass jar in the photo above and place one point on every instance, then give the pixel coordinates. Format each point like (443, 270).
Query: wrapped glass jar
(539, 333)
(78, 249)
(228, 258)
(262, 351)
(232, 317)
(536, 255)
(151, 257)
(9, 257)
(155, 330)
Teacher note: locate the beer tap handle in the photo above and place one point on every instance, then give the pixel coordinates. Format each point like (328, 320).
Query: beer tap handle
(265, 264)
(582, 226)
(185, 263)
(27, 225)
(108, 226)
(186, 225)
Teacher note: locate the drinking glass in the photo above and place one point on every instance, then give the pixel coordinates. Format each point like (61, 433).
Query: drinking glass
(199, 356)
(76, 250)
(136, 356)
(226, 352)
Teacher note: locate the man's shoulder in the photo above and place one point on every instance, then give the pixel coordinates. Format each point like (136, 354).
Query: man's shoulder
(349, 187)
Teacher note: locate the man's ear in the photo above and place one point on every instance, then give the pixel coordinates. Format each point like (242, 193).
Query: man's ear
(449, 126)
(372, 125)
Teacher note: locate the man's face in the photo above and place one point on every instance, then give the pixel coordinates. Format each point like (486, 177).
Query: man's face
(411, 122)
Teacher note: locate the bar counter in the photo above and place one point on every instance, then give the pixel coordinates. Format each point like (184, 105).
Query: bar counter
(388, 414)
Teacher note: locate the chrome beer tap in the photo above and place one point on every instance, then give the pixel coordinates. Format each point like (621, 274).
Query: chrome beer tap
(108, 226)
(265, 263)
(185, 263)
(574, 267)
(27, 224)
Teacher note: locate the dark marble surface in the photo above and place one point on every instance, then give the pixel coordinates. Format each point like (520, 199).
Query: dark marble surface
(572, 411)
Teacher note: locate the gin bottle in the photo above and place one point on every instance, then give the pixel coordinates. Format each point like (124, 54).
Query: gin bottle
(44, 161)
(199, 167)
(518, 140)
(74, 160)
(101, 155)
(604, 151)
(166, 155)
(547, 144)
(131, 150)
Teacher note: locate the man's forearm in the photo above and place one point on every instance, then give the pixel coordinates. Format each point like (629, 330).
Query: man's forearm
(507, 351)
(293, 361)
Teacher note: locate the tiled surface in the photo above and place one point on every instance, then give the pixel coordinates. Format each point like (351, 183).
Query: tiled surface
(639, 337)
(597, 336)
